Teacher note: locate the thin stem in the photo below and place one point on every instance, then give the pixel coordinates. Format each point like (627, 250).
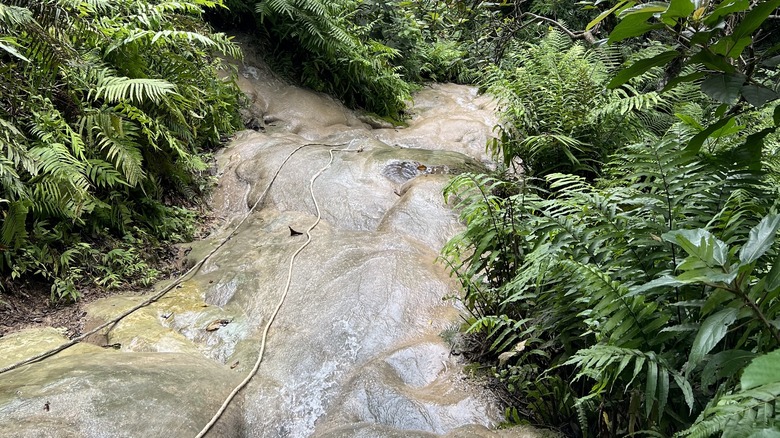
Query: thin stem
(756, 310)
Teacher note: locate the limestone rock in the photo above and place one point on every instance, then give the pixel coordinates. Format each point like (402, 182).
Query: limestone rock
(356, 349)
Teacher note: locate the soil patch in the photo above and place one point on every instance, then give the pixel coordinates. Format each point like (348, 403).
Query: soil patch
(28, 304)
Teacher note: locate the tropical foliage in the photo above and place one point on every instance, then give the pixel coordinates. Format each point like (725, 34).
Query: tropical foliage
(369, 53)
(624, 281)
(105, 108)
(622, 287)
(558, 115)
(621, 266)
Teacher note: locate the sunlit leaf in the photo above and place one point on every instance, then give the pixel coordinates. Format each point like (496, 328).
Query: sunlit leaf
(711, 332)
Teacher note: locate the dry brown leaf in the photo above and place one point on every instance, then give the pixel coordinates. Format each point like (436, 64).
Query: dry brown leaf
(217, 324)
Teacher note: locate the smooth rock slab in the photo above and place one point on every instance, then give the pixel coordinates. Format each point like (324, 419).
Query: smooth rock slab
(112, 394)
(356, 350)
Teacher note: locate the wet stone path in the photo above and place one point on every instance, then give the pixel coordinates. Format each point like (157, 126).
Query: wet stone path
(358, 348)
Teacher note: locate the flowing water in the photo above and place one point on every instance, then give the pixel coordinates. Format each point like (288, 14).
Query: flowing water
(358, 348)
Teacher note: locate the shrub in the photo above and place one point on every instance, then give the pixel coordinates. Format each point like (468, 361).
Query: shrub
(105, 107)
(649, 291)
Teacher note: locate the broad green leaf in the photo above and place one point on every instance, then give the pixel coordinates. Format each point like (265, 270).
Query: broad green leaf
(748, 154)
(757, 95)
(763, 370)
(633, 25)
(679, 8)
(707, 276)
(712, 61)
(731, 47)
(665, 281)
(715, 300)
(721, 110)
(773, 278)
(755, 18)
(642, 66)
(729, 128)
(606, 13)
(725, 364)
(760, 239)
(651, 386)
(690, 121)
(723, 87)
(695, 143)
(651, 8)
(724, 8)
(703, 37)
(700, 243)
(711, 332)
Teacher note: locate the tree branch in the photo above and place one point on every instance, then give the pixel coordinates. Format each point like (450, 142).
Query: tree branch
(585, 35)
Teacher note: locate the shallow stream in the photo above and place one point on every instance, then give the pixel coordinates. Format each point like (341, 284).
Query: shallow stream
(359, 347)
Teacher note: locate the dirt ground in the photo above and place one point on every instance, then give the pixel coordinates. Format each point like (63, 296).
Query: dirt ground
(29, 305)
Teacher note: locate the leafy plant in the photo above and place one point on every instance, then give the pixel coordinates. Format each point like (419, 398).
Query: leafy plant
(720, 46)
(104, 110)
(557, 115)
(333, 55)
(648, 291)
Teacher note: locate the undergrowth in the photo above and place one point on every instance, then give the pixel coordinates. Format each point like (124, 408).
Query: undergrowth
(106, 110)
(629, 304)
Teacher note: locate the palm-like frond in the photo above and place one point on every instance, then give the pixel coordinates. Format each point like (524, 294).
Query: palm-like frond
(97, 96)
(117, 89)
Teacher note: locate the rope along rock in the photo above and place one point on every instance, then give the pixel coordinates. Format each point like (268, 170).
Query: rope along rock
(187, 275)
(285, 290)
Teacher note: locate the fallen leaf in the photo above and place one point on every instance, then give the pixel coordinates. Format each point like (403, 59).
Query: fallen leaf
(234, 365)
(217, 324)
(504, 357)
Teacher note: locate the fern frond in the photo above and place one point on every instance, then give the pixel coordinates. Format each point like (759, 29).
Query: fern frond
(14, 229)
(126, 156)
(118, 89)
(103, 174)
(739, 413)
(606, 364)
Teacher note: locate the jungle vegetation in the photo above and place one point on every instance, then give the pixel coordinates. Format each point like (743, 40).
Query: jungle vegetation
(620, 267)
(106, 109)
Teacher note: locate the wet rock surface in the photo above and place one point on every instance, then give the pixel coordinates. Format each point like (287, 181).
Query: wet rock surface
(357, 348)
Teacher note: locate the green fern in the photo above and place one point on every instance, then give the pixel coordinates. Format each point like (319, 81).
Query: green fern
(568, 267)
(334, 54)
(750, 408)
(102, 100)
(118, 89)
